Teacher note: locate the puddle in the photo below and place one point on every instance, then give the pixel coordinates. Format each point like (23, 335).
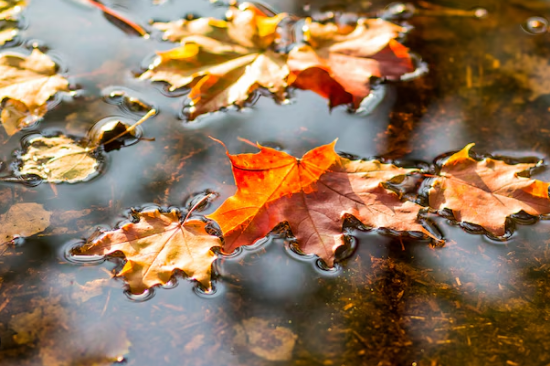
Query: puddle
(475, 301)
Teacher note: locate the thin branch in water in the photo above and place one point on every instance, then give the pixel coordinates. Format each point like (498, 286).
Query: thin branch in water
(123, 19)
(132, 127)
(196, 205)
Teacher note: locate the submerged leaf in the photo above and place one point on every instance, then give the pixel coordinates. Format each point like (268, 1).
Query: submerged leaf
(313, 195)
(223, 62)
(264, 340)
(338, 64)
(58, 159)
(84, 343)
(156, 246)
(27, 82)
(23, 220)
(486, 192)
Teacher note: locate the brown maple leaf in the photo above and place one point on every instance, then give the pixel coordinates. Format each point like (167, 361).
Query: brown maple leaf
(338, 63)
(156, 246)
(486, 192)
(223, 62)
(26, 84)
(313, 195)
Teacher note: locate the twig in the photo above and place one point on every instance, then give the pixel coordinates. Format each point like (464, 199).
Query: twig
(132, 127)
(113, 13)
(196, 205)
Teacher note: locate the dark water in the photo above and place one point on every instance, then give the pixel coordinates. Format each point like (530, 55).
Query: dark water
(473, 302)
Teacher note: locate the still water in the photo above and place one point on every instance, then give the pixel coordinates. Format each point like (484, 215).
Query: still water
(392, 302)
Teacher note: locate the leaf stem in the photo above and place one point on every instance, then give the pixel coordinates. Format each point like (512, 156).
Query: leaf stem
(196, 205)
(132, 127)
(113, 13)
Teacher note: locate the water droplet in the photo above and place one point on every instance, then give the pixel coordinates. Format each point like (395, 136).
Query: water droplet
(399, 10)
(535, 25)
(480, 13)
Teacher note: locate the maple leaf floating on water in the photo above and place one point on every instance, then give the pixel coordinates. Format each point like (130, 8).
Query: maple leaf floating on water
(313, 195)
(156, 246)
(57, 159)
(338, 63)
(26, 84)
(486, 192)
(222, 61)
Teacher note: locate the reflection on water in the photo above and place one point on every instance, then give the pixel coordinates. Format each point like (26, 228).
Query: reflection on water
(473, 302)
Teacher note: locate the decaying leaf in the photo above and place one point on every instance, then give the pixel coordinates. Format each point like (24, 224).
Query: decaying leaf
(28, 82)
(23, 220)
(62, 342)
(268, 342)
(222, 62)
(9, 9)
(156, 246)
(313, 195)
(338, 63)
(58, 159)
(486, 192)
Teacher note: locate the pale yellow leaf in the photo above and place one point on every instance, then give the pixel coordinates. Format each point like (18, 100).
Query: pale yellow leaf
(58, 159)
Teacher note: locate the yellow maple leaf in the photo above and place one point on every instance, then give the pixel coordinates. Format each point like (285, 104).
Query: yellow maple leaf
(26, 84)
(222, 61)
(156, 246)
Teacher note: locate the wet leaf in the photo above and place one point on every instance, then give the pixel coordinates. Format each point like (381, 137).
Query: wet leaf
(23, 220)
(338, 63)
(58, 159)
(223, 62)
(156, 246)
(9, 9)
(268, 342)
(486, 192)
(313, 195)
(27, 82)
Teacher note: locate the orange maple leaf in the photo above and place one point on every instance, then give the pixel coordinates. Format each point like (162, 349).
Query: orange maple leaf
(155, 247)
(338, 64)
(313, 195)
(486, 192)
